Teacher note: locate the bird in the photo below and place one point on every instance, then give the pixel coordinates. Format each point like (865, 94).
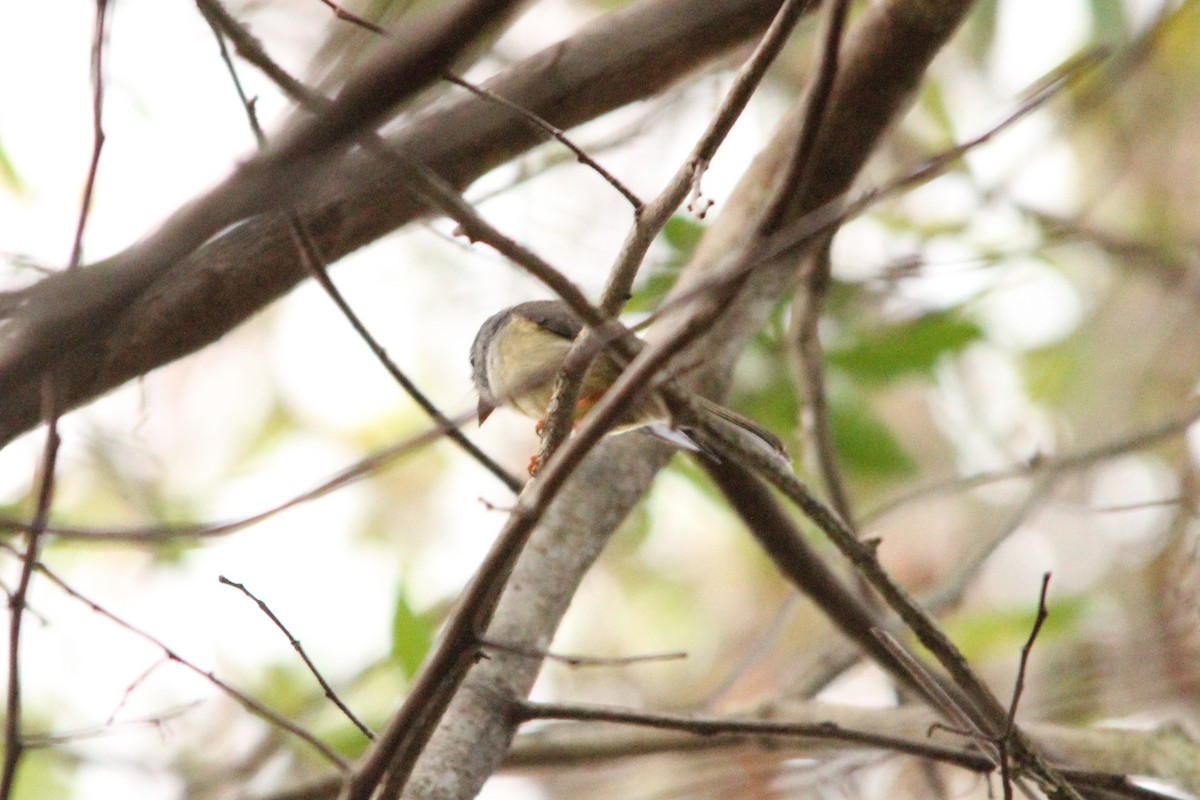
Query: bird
(519, 350)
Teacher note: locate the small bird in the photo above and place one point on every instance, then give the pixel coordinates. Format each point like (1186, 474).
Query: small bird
(518, 352)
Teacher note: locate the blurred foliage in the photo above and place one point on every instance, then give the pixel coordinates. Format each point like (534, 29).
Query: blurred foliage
(412, 635)
(999, 633)
(865, 444)
(883, 354)
(44, 773)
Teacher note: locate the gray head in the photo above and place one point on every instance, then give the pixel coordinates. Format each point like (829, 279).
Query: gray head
(479, 358)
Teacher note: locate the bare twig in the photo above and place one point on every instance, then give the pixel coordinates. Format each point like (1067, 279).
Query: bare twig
(295, 643)
(815, 278)
(99, 38)
(132, 687)
(837, 211)
(962, 719)
(810, 367)
(658, 211)
(223, 24)
(52, 320)
(558, 135)
(1019, 687)
(794, 184)
(539, 123)
(1138, 440)
(13, 744)
(356, 471)
(245, 700)
(579, 661)
(51, 408)
(984, 709)
(348, 16)
(156, 721)
(647, 224)
(706, 725)
(1091, 750)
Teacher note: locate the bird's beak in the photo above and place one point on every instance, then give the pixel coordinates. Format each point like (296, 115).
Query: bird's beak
(485, 410)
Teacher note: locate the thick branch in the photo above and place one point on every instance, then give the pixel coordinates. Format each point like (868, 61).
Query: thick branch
(155, 303)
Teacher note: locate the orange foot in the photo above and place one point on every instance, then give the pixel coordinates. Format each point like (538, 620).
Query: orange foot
(534, 465)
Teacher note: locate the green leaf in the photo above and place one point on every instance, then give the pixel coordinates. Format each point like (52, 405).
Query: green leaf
(412, 636)
(650, 292)
(682, 234)
(864, 443)
(912, 347)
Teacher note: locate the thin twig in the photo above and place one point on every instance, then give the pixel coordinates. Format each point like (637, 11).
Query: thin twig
(223, 24)
(838, 211)
(13, 743)
(540, 124)
(343, 14)
(658, 212)
(246, 701)
(795, 235)
(1147, 437)
(132, 687)
(385, 457)
(810, 367)
(962, 721)
(157, 721)
(295, 643)
(648, 224)
(355, 472)
(535, 121)
(579, 661)
(1019, 686)
(986, 712)
(99, 38)
(707, 725)
(815, 278)
(795, 182)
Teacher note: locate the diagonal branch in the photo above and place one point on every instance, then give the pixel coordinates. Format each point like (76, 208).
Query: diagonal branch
(882, 64)
(185, 286)
(53, 317)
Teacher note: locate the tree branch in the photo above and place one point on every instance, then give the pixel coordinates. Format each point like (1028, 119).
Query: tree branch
(180, 288)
